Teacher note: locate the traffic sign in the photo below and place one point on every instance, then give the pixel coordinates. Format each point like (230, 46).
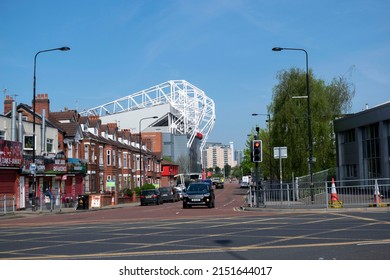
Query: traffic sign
(280, 152)
(33, 167)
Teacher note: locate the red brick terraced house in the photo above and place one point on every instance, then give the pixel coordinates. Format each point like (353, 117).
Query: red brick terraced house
(80, 155)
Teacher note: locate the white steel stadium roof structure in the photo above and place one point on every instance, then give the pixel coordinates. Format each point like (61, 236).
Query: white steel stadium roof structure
(194, 112)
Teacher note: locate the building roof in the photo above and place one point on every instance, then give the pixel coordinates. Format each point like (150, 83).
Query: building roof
(366, 117)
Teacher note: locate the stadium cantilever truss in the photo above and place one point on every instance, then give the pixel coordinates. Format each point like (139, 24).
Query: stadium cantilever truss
(195, 112)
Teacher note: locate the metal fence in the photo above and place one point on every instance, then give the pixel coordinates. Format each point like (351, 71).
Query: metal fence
(42, 203)
(7, 203)
(325, 194)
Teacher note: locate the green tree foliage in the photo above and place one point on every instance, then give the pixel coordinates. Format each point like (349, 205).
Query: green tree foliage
(236, 172)
(227, 169)
(289, 119)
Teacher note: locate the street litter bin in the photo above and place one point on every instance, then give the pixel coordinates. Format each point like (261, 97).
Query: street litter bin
(83, 202)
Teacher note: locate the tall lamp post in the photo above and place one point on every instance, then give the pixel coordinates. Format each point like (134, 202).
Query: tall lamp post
(140, 149)
(277, 49)
(269, 137)
(34, 102)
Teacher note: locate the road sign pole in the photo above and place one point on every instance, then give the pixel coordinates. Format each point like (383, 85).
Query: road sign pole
(281, 175)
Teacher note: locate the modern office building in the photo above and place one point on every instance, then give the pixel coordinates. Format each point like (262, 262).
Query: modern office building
(363, 144)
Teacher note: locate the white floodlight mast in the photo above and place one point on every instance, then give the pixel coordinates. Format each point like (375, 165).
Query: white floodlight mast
(195, 111)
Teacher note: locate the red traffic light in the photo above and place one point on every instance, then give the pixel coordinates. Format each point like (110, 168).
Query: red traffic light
(257, 151)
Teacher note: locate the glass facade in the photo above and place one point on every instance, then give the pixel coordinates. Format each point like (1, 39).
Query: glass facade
(371, 151)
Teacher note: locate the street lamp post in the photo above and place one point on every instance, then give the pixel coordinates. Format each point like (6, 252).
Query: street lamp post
(308, 117)
(140, 149)
(34, 103)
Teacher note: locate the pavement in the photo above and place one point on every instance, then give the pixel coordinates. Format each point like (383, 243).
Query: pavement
(29, 212)
(63, 210)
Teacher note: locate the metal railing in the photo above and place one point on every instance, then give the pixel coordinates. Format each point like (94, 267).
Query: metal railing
(42, 203)
(326, 194)
(7, 203)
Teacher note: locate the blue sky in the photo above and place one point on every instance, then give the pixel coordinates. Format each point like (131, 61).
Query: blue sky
(119, 47)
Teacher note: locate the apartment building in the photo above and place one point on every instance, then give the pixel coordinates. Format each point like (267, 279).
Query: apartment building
(218, 155)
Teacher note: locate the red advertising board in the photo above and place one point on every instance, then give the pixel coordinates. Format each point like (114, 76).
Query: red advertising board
(10, 154)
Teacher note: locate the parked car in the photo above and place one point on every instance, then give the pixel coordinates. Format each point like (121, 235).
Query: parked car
(152, 196)
(199, 194)
(244, 184)
(180, 193)
(169, 194)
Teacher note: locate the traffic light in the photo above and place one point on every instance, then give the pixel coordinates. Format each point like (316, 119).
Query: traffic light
(257, 154)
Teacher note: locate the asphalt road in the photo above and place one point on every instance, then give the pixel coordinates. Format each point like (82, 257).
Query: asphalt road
(168, 232)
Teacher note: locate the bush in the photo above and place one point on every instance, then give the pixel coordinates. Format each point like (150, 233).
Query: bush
(148, 186)
(128, 192)
(144, 187)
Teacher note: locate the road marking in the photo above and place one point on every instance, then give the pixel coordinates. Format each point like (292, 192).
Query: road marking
(183, 251)
(376, 242)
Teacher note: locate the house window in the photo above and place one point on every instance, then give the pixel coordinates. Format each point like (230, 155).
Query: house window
(125, 160)
(28, 142)
(2, 135)
(86, 152)
(136, 161)
(70, 150)
(49, 145)
(76, 150)
(86, 178)
(101, 155)
(119, 159)
(101, 181)
(113, 157)
(93, 153)
(108, 158)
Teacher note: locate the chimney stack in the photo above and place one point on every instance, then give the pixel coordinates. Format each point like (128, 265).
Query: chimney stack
(42, 103)
(8, 104)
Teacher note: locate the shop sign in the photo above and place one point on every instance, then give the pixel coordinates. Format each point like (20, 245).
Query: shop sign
(76, 166)
(10, 153)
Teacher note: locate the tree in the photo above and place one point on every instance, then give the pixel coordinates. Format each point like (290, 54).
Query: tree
(236, 172)
(183, 163)
(227, 170)
(289, 123)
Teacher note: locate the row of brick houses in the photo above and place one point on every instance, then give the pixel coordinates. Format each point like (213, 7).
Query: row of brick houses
(75, 155)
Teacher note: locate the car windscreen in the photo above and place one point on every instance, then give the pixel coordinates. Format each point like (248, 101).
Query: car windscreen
(198, 188)
(148, 192)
